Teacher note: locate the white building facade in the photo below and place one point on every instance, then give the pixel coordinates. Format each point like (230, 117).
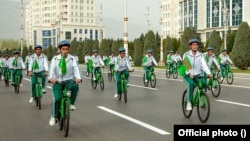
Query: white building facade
(205, 16)
(50, 21)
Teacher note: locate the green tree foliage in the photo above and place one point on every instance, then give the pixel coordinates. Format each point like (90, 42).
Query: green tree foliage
(30, 49)
(73, 46)
(116, 45)
(24, 52)
(88, 46)
(96, 45)
(150, 43)
(215, 42)
(105, 47)
(80, 53)
(241, 47)
(131, 49)
(230, 40)
(188, 34)
(50, 52)
(138, 53)
(169, 46)
(10, 44)
(176, 44)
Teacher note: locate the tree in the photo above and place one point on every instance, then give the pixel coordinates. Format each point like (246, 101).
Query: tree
(150, 43)
(138, 53)
(169, 46)
(215, 42)
(105, 47)
(88, 46)
(73, 46)
(230, 40)
(24, 52)
(80, 53)
(115, 46)
(50, 52)
(188, 34)
(241, 47)
(30, 49)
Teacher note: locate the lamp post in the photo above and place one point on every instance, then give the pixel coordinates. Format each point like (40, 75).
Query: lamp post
(223, 2)
(125, 34)
(21, 25)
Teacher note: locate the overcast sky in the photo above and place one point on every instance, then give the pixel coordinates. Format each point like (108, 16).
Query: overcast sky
(113, 12)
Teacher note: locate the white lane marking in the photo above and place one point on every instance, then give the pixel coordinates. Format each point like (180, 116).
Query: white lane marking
(150, 127)
(143, 87)
(235, 103)
(26, 79)
(237, 86)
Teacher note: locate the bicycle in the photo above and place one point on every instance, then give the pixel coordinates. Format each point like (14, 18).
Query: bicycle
(6, 76)
(214, 84)
(227, 73)
(39, 91)
(111, 74)
(99, 80)
(200, 100)
(17, 81)
(172, 70)
(151, 78)
(64, 111)
(123, 87)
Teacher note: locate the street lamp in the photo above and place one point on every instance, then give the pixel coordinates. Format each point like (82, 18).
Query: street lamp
(223, 2)
(125, 34)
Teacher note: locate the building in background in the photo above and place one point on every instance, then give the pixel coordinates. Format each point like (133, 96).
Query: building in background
(49, 21)
(204, 15)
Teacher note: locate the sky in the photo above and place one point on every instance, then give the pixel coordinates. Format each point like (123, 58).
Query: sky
(112, 15)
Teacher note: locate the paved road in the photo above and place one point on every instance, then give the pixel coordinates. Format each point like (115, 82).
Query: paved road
(150, 113)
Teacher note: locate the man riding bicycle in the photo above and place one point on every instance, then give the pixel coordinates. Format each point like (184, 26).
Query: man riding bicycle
(86, 60)
(122, 65)
(195, 64)
(170, 60)
(223, 59)
(210, 59)
(16, 66)
(38, 66)
(148, 65)
(112, 61)
(63, 69)
(177, 57)
(27, 61)
(97, 61)
(4, 64)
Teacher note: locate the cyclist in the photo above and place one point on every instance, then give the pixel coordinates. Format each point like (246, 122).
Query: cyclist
(194, 62)
(112, 61)
(86, 59)
(148, 65)
(223, 59)
(4, 65)
(97, 61)
(16, 66)
(38, 66)
(105, 60)
(122, 64)
(170, 60)
(1, 65)
(64, 68)
(177, 57)
(211, 59)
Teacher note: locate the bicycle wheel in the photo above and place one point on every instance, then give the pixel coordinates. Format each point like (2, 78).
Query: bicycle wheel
(187, 113)
(66, 118)
(219, 76)
(39, 94)
(101, 82)
(6, 82)
(203, 107)
(167, 74)
(215, 88)
(110, 75)
(175, 74)
(93, 82)
(145, 83)
(153, 80)
(230, 78)
(125, 90)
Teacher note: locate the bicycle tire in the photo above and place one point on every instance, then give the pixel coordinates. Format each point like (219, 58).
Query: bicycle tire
(153, 80)
(203, 104)
(109, 75)
(230, 78)
(219, 77)
(6, 82)
(93, 82)
(102, 82)
(215, 87)
(145, 83)
(125, 91)
(39, 97)
(175, 74)
(186, 113)
(66, 118)
(167, 74)
(61, 122)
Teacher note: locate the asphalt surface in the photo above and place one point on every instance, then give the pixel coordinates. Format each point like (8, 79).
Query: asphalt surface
(149, 115)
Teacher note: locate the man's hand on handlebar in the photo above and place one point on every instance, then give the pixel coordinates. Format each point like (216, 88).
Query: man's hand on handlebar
(78, 80)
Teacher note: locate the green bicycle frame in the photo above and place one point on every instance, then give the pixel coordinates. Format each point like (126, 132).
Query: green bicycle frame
(62, 106)
(17, 78)
(123, 81)
(7, 74)
(39, 84)
(198, 93)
